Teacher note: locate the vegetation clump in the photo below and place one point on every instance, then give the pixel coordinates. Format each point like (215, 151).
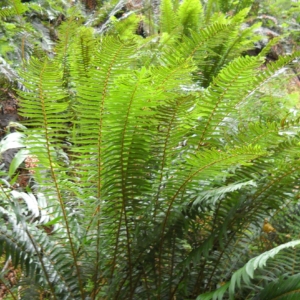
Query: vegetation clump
(161, 165)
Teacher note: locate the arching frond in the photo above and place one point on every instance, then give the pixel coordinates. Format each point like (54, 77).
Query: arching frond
(247, 272)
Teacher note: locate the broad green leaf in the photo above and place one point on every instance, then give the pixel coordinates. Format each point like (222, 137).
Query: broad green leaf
(17, 161)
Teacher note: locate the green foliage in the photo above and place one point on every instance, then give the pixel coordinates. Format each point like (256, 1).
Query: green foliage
(226, 6)
(15, 7)
(190, 14)
(284, 288)
(168, 18)
(247, 272)
(281, 15)
(149, 179)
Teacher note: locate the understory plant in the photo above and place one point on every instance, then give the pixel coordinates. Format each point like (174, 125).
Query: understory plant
(148, 178)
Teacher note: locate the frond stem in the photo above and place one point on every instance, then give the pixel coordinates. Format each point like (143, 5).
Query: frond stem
(53, 175)
(37, 252)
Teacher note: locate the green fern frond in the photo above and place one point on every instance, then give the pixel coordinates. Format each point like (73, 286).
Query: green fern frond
(202, 44)
(108, 86)
(210, 7)
(67, 34)
(168, 19)
(206, 48)
(206, 164)
(15, 8)
(46, 103)
(94, 96)
(246, 79)
(82, 46)
(266, 135)
(247, 272)
(210, 197)
(283, 288)
(240, 39)
(274, 69)
(127, 27)
(31, 249)
(219, 99)
(190, 14)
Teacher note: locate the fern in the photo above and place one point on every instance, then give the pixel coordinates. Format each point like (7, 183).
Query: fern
(281, 288)
(168, 20)
(147, 183)
(247, 272)
(15, 8)
(190, 14)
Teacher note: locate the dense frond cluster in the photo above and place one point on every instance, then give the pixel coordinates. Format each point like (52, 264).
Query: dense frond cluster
(145, 182)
